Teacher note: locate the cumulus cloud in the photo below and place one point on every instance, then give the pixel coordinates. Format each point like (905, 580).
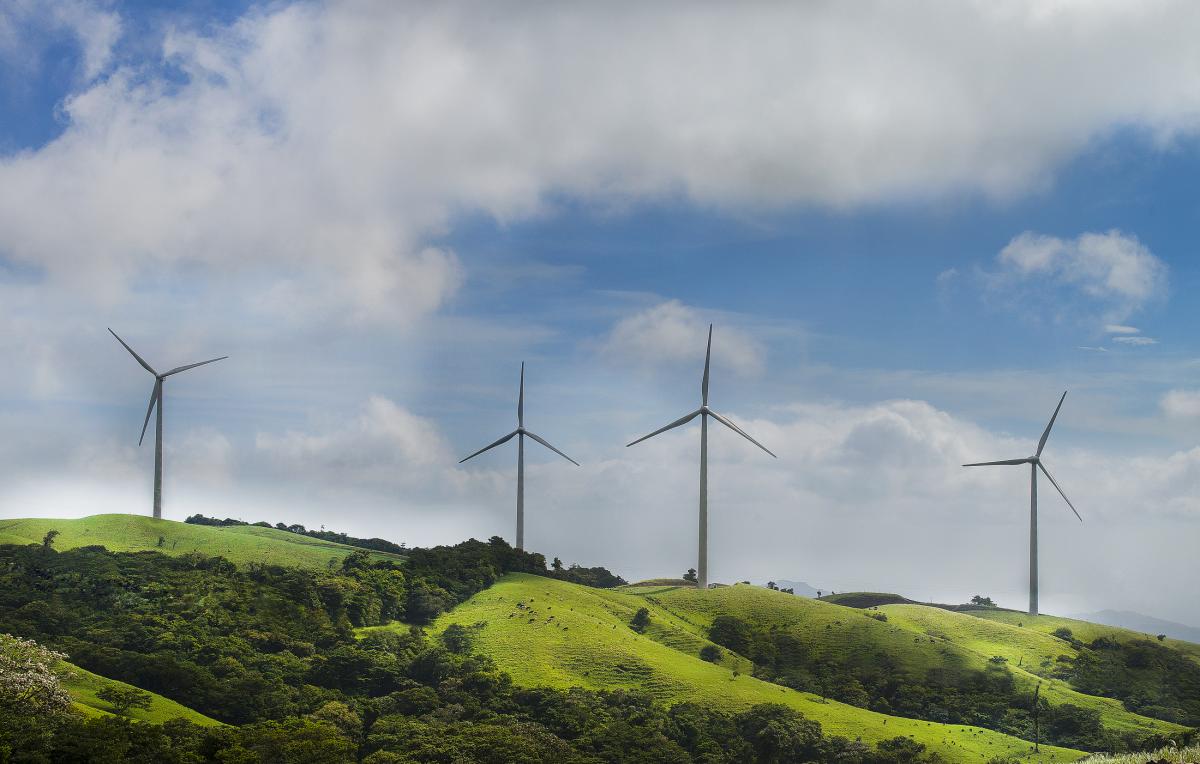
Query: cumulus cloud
(1109, 273)
(672, 333)
(384, 444)
(324, 148)
(1181, 404)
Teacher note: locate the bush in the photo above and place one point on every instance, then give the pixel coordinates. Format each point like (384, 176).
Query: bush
(640, 620)
(710, 653)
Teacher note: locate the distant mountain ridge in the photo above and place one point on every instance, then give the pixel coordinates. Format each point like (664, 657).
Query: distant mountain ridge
(1145, 623)
(798, 587)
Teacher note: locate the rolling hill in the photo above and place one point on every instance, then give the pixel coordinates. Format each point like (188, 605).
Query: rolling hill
(239, 544)
(550, 633)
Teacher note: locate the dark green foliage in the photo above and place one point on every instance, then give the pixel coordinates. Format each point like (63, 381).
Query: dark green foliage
(690, 575)
(1146, 676)
(640, 620)
(599, 577)
(710, 653)
(240, 645)
(981, 601)
(124, 699)
(48, 539)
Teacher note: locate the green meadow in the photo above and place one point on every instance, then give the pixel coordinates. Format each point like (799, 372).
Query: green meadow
(241, 544)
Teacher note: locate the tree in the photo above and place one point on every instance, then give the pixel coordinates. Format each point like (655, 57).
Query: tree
(982, 601)
(48, 539)
(780, 734)
(557, 565)
(29, 684)
(124, 699)
(640, 620)
(772, 585)
(690, 575)
(710, 653)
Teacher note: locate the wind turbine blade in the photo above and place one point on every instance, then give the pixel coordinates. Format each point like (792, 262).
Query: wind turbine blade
(552, 448)
(672, 425)
(1060, 490)
(505, 439)
(739, 431)
(178, 369)
(521, 399)
(140, 360)
(991, 464)
(707, 360)
(1046, 434)
(154, 395)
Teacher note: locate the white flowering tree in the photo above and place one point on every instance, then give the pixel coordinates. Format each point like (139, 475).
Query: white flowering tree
(30, 683)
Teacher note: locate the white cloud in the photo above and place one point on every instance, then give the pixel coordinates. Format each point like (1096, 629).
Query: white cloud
(1137, 341)
(95, 29)
(1180, 404)
(1119, 329)
(385, 444)
(672, 333)
(1111, 272)
(322, 149)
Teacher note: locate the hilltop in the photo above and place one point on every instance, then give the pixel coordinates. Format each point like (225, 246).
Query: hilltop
(134, 533)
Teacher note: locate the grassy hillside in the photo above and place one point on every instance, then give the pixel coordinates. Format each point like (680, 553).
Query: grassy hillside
(83, 686)
(1084, 631)
(134, 533)
(549, 633)
(916, 638)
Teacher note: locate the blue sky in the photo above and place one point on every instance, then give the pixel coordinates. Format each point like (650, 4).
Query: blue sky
(910, 244)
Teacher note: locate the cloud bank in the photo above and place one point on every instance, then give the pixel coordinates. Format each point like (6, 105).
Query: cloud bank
(320, 150)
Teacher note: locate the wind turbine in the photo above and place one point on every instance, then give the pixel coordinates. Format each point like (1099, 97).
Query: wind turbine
(521, 433)
(704, 412)
(156, 397)
(1035, 464)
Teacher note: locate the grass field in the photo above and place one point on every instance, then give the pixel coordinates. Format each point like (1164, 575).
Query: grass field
(1186, 755)
(83, 686)
(239, 544)
(550, 633)
(1085, 631)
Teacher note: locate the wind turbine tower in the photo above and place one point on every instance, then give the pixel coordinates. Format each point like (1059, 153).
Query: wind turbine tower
(1035, 464)
(521, 433)
(704, 412)
(156, 400)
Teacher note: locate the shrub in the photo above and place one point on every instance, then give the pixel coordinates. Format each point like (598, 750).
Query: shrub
(640, 620)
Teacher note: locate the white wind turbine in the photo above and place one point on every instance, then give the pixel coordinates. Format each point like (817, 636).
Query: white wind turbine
(704, 412)
(156, 397)
(521, 433)
(1035, 463)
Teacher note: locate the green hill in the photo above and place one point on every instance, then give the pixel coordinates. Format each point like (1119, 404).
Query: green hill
(83, 686)
(549, 633)
(1082, 630)
(239, 544)
(915, 638)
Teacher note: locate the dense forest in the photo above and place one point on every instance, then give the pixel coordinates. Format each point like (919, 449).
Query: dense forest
(272, 652)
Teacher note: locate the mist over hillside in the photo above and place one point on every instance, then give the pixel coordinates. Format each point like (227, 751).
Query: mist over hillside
(1139, 622)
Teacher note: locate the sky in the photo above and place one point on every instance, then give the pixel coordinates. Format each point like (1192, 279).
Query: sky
(912, 228)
